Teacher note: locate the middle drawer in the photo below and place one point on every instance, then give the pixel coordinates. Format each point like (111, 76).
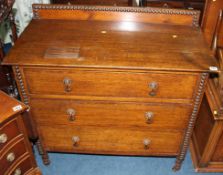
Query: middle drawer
(104, 113)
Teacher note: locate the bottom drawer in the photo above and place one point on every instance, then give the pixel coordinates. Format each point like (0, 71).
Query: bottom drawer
(22, 167)
(104, 140)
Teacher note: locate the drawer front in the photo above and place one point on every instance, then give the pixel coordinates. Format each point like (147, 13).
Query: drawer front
(108, 140)
(79, 113)
(110, 84)
(12, 155)
(8, 131)
(21, 168)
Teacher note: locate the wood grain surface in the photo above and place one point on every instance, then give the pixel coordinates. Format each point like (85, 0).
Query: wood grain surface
(126, 45)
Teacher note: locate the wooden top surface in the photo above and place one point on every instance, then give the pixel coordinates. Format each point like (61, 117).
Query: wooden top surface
(9, 106)
(112, 44)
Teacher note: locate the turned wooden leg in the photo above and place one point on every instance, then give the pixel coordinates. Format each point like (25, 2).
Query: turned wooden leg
(45, 158)
(178, 164)
(189, 131)
(39, 147)
(43, 153)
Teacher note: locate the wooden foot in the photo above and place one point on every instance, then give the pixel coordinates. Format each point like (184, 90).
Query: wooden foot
(45, 158)
(43, 153)
(177, 166)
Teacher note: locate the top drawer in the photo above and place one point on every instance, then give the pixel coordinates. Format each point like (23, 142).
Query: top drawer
(99, 83)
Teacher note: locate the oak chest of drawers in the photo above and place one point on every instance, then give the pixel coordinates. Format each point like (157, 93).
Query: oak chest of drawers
(107, 80)
(16, 157)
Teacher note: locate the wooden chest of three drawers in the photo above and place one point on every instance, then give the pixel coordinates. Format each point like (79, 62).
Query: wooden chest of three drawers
(99, 83)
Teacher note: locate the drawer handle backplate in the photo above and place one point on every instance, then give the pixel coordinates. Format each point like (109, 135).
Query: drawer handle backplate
(146, 143)
(149, 117)
(3, 138)
(10, 157)
(75, 140)
(71, 114)
(67, 84)
(153, 86)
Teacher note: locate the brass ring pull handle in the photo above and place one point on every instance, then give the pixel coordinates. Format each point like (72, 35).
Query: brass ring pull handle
(153, 86)
(149, 117)
(17, 172)
(75, 140)
(10, 157)
(67, 84)
(71, 114)
(146, 143)
(3, 138)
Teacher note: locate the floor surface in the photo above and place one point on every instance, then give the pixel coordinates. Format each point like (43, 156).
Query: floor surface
(79, 164)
